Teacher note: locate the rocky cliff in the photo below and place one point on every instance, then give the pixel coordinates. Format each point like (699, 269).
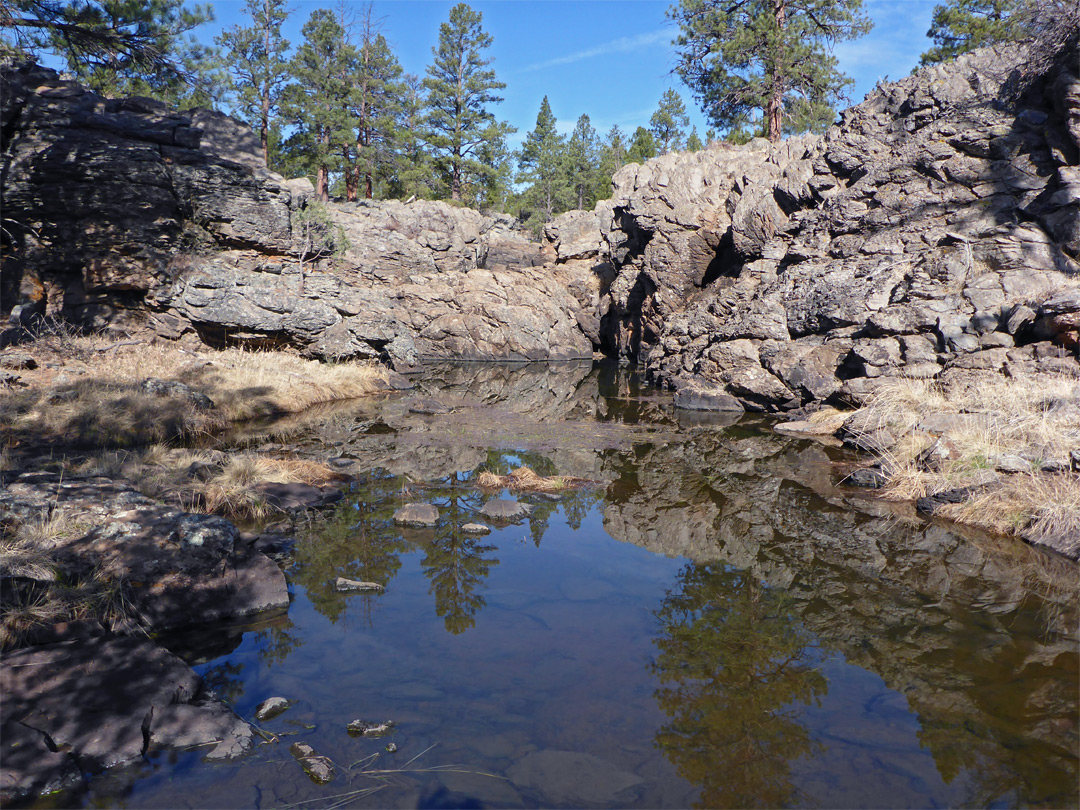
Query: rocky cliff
(123, 211)
(935, 228)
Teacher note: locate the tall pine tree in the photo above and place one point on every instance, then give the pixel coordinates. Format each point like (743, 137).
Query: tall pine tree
(668, 122)
(541, 164)
(376, 105)
(762, 57)
(121, 47)
(582, 161)
(959, 26)
(256, 54)
(460, 86)
(317, 103)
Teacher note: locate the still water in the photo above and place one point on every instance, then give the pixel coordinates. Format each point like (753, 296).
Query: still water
(709, 621)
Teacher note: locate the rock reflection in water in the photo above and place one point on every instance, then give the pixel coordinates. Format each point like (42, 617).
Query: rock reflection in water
(735, 667)
(968, 643)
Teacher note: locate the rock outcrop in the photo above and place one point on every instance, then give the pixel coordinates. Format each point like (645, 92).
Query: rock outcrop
(934, 227)
(116, 209)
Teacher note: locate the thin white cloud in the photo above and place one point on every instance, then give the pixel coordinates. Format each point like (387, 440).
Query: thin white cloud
(620, 45)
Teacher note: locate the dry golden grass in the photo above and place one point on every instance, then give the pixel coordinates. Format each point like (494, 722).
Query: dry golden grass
(208, 481)
(39, 597)
(95, 399)
(1030, 417)
(524, 479)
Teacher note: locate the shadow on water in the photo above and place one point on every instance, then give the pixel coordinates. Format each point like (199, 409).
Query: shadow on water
(712, 623)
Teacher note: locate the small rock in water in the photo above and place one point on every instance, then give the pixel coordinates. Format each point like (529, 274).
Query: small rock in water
(872, 479)
(272, 707)
(428, 406)
(391, 748)
(476, 528)
(345, 585)
(416, 514)
(318, 767)
(503, 509)
(361, 728)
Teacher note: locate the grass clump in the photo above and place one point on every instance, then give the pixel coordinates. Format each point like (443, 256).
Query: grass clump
(524, 479)
(89, 392)
(988, 418)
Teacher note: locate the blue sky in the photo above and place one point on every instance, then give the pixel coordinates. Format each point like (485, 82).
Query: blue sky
(611, 59)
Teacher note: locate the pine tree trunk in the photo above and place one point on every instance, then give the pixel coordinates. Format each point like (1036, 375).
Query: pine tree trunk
(264, 134)
(775, 111)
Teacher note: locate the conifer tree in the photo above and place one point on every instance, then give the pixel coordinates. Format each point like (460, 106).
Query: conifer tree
(413, 173)
(581, 162)
(668, 122)
(460, 86)
(959, 26)
(642, 146)
(612, 158)
(256, 54)
(317, 101)
(541, 163)
(762, 56)
(121, 47)
(693, 141)
(376, 105)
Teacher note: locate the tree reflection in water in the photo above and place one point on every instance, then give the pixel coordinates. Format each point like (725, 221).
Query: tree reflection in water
(735, 665)
(357, 541)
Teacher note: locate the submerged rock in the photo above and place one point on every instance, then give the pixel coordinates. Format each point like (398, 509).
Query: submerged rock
(475, 528)
(188, 725)
(343, 585)
(572, 778)
(319, 768)
(362, 728)
(102, 701)
(504, 509)
(271, 708)
(417, 514)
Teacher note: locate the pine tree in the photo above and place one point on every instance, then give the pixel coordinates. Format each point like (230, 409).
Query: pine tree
(121, 47)
(256, 54)
(376, 106)
(541, 163)
(492, 190)
(764, 55)
(318, 101)
(693, 141)
(412, 173)
(612, 158)
(460, 86)
(959, 26)
(582, 161)
(668, 122)
(642, 146)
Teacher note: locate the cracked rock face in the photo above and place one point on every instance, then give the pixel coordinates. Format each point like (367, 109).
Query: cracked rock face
(934, 227)
(124, 206)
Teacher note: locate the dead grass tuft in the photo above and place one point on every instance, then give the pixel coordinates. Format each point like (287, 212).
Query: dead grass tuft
(87, 391)
(1036, 418)
(524, 479)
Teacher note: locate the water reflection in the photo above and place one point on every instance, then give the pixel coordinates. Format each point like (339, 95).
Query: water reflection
(969, 641)
(736, 666)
